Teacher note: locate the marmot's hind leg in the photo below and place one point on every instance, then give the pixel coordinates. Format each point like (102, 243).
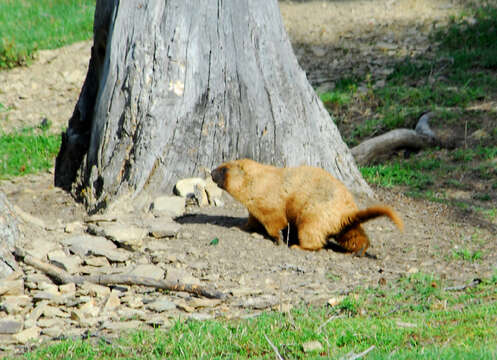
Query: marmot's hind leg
(311, 236)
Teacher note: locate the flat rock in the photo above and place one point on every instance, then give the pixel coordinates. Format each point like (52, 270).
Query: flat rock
(203, 302)
(74, 226)
(15, 304)
(11, 287)
(87, 243)
(122, 325)
(161, 305)
(127, 235)
(68, 263)
(40, 248)
(97, 261)
(173, 206)
(10, 326)
(68, 289)
(148, 270)
(27, 335)
(160, 229)
(181, 276)
(115, 255)
(28, 217)
(260, 302)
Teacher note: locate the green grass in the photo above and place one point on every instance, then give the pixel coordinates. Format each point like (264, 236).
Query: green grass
(30, 25)
(412, 318)
(27, 151)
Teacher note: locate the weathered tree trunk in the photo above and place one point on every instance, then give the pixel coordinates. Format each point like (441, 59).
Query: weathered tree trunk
(178, 85)
(9, 235)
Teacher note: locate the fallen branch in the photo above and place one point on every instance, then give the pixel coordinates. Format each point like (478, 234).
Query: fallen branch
(421, 137)
(352, 356)
(62, 277)
(473, 283)
(275, 349)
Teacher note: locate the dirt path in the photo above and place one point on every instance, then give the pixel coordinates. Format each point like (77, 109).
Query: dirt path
(330, 39)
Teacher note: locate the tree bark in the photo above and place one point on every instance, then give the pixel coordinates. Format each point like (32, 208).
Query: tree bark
(178, 85)
(9, 236)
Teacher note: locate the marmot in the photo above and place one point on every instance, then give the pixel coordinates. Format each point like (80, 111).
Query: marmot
(318, 205)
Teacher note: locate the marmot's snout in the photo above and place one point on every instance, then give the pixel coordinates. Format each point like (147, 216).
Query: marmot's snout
(218, 176)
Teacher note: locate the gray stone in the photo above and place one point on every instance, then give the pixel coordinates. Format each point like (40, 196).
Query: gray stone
(203, 302)
(34, 315)
(122, 325)
(68, 289)
(55, 312)
(97, 261)
(116, 255)
(201, 316)
(10, 326)
(94, 290)
(15, 304)
(68, 263)
(312, 346)
(161, 229)
(87, 243)
(40, 248)
(260, 302)
(173, 206)
(11, 287)
(148, 270)
(127, 235)
(161, 305)
(27, 335)
(181, 276)
(112, 303)
(74, 226)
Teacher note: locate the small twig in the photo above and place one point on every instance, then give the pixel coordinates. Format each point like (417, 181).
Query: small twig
(275, 349)
(288, 234)
(395, 309)
(466, 134)
(473, 283)
(353, 356)
(331, 318)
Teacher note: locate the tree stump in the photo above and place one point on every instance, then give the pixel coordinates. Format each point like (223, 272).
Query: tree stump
(176, 86)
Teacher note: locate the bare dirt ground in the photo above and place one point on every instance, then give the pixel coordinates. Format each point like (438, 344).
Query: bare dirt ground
(330, 39)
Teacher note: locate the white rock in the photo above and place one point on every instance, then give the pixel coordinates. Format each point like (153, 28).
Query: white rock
(97, 261)
(311, 346)
(173, 206)
(186, 187)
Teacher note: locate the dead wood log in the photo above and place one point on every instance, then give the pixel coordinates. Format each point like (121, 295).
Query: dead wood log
(62, 277)
(422, 136)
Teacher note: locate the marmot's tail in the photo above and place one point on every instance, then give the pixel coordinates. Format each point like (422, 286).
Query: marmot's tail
(373, 212)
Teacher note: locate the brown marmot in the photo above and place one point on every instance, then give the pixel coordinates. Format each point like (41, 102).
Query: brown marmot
(309, 198)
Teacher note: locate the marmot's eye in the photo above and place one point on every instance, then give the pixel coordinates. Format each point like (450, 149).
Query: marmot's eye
(224, 170)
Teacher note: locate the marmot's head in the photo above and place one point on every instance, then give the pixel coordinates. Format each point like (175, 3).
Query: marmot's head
(232, 175)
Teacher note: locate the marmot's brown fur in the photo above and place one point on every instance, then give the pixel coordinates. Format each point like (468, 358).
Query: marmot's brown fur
(309, 198)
